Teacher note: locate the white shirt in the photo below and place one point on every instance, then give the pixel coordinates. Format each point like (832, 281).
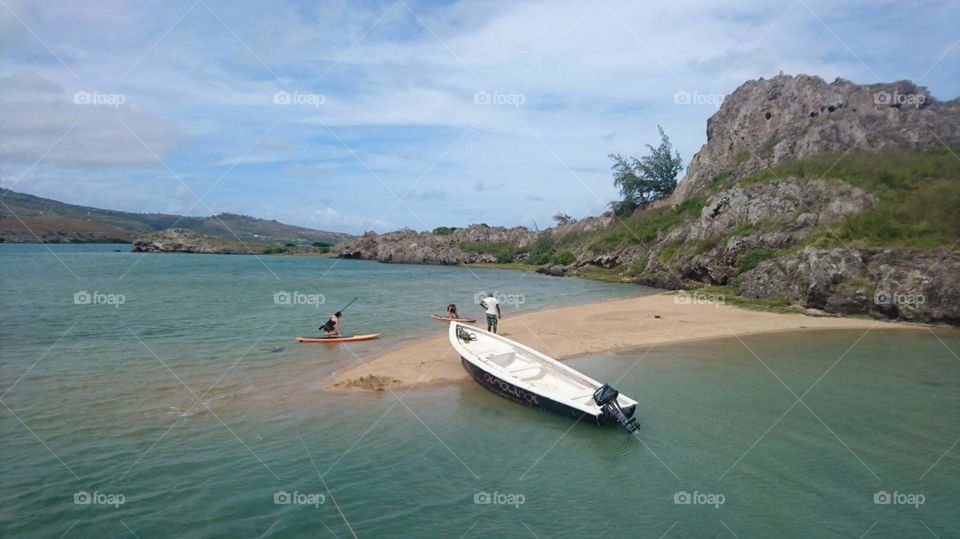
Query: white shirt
(491, 305)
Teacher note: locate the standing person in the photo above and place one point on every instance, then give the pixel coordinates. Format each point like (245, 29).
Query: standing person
(452, 311)
(492, 307)
(331, 328)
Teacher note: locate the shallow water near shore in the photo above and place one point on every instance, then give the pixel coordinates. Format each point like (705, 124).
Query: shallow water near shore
(98, 404)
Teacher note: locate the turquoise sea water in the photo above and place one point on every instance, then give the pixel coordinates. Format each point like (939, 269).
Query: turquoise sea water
(103, 399)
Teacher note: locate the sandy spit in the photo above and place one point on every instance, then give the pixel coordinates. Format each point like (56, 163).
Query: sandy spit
(578, 330)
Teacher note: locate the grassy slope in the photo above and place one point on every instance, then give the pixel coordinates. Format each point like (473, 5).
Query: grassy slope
(919, 193)
(919, 207)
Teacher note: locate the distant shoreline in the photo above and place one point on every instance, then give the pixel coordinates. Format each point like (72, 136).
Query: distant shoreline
(568, 332)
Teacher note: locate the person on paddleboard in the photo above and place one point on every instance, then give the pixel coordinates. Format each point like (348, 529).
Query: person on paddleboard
(452, 311)
(331, 328)
(492, 307)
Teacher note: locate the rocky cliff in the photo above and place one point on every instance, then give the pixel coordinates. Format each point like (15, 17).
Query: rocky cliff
(838, 197)
(766, 122)
(793, 164)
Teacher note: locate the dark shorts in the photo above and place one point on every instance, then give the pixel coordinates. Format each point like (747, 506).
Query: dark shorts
(492, 320)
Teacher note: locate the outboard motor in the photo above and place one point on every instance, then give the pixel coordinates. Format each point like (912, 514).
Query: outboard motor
(606, 398)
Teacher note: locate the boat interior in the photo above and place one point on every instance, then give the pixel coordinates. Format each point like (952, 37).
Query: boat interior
(541, 373)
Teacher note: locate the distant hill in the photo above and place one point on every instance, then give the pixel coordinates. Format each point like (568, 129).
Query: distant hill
(53, 221)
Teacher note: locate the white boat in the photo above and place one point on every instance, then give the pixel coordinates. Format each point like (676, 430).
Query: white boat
(534, 379)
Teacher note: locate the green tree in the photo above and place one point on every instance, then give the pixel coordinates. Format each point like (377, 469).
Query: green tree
(563, 219)
(649, 178)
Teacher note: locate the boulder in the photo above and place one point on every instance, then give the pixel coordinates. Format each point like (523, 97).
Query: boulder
(907, 284)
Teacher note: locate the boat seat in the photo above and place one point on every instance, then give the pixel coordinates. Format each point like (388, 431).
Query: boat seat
(521, 371)
(538, 373)
(504, 360)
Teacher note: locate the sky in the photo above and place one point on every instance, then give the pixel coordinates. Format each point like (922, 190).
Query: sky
(354, 116)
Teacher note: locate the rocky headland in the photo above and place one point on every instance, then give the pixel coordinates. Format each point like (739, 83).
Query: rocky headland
(834, 197)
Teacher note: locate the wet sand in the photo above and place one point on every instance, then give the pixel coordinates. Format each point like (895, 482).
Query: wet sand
(578, 330)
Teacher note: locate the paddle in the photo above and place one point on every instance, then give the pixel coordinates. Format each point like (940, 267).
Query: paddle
(348, 304)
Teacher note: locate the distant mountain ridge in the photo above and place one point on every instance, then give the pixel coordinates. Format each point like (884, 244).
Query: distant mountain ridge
(27, 218)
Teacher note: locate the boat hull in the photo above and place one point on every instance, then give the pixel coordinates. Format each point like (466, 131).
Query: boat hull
(527, 398)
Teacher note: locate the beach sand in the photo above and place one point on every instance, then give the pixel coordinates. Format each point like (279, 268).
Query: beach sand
(578, 330)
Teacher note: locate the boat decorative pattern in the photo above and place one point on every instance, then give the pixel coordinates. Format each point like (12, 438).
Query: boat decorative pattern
(510, 391)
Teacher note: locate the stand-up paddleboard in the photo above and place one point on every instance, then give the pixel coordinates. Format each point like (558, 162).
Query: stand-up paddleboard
(448, 319)
(346, 338)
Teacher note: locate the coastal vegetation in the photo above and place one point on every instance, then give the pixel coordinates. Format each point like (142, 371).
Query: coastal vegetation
(503, 251)
(644, 180)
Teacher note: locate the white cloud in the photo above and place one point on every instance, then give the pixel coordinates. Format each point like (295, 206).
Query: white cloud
(330, 218)
(89, 128)
(595, 78)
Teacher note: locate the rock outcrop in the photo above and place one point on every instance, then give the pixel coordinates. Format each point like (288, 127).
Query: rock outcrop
(765, 122)
(179, 240)
(921, 286)
(474, 244)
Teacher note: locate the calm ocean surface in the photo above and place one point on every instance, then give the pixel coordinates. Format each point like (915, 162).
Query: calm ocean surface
(100, 405)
